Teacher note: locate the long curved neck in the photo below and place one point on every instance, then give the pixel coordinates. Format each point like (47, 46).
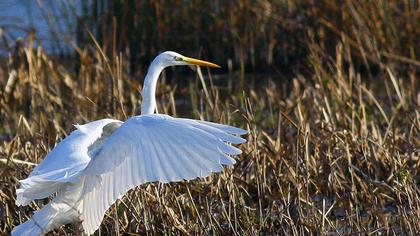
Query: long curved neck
(148, 105)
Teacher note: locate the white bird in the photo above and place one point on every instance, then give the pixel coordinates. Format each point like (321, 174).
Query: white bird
(101, 160)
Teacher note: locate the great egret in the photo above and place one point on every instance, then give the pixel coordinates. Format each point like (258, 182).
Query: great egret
(101, 160)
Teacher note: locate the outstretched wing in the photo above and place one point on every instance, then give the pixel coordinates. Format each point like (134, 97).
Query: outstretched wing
(154, 148)
(65, 162)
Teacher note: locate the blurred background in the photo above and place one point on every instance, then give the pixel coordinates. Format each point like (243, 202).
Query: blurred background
(328, 89)
(274, 37)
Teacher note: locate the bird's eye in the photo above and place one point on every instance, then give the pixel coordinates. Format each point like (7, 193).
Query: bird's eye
(177, 58)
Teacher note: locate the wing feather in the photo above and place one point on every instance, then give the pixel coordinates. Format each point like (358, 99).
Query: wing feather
(225, 128)
(65, 163)
(154, 148)
(200, 151)
(182, 157)
(150, 157)
(181, 161)
(177, 172)
(205, 142)
(227, 137)
(167, 172)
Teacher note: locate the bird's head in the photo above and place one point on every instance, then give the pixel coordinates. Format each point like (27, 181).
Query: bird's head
(170, 58)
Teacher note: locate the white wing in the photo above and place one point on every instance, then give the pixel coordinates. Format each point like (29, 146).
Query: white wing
(154, 148)
(63, 164)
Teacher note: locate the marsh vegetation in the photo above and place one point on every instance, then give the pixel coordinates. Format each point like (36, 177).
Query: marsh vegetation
(329, 92)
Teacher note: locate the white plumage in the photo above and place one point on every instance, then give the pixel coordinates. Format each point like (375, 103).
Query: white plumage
(100, 161)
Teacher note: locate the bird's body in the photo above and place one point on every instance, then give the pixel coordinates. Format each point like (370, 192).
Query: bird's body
(101, 160)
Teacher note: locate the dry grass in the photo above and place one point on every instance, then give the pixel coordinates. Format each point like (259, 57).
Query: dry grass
(333, 150)
(324, 154)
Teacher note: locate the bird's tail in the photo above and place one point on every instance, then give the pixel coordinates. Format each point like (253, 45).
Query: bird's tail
(29, 228)
(63, 209)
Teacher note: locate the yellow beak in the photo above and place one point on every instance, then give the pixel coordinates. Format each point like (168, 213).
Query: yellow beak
(197, 62)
